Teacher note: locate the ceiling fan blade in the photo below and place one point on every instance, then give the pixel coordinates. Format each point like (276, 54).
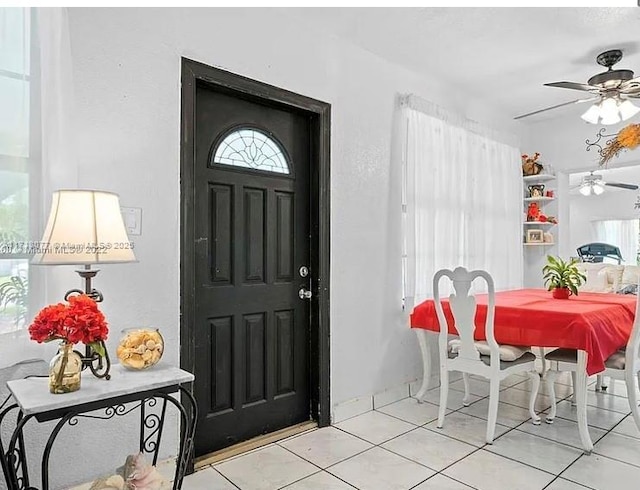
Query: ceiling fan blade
(577, 101)
(630, 86)
(631, 187)
(574, 86)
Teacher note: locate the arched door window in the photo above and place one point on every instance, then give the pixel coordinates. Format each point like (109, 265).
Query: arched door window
(251, 148)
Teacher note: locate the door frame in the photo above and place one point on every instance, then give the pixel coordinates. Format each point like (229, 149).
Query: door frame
(194, 73)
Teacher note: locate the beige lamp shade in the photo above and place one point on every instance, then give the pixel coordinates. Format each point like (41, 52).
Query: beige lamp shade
(84, 227)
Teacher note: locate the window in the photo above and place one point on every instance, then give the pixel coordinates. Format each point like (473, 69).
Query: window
(15, 165)
(251, 148)
(624, 234)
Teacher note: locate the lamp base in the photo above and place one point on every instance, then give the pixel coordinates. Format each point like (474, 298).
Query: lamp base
(99, 365)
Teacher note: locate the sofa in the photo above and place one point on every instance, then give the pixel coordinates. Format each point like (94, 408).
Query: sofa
(605, 277)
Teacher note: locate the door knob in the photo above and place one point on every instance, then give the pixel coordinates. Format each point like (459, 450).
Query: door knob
(305, 293)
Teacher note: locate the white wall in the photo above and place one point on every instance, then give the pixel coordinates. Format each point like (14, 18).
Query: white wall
(127, 74)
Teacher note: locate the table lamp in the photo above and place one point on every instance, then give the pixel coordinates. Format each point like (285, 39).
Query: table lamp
(85, 227)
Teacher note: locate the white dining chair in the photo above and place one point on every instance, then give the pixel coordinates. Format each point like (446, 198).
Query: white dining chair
(468, 358)
(623, 364)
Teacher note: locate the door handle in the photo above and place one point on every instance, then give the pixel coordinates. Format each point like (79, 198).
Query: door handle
(305, 293)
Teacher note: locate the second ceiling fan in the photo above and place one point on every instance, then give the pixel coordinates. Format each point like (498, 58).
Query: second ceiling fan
(610, 91)
(595, 184)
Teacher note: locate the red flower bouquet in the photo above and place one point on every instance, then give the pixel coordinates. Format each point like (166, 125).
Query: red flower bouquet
(78, 321)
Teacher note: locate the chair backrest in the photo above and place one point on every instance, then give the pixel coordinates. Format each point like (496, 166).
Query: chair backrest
(463, 309)
(632, 352)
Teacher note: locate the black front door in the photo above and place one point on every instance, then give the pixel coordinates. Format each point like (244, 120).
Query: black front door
(252, 229)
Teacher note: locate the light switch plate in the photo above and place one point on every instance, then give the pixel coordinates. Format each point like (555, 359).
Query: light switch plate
(132, 220)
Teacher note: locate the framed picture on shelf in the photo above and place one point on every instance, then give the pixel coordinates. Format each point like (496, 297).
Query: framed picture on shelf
(535, 236)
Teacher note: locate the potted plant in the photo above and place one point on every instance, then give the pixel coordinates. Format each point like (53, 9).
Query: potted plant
(563, 278)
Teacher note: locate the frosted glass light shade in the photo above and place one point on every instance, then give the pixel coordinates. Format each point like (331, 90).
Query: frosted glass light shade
(585, 189)
(627, 110)
(598, 189)
(84, 227)
(611, 110)
(592, 114)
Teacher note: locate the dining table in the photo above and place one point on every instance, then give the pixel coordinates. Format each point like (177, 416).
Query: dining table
(594, 324)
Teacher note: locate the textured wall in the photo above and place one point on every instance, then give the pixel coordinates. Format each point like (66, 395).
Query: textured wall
(127, 78)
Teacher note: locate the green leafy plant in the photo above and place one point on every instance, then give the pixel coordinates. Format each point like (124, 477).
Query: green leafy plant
(562, 274)
(14, 292)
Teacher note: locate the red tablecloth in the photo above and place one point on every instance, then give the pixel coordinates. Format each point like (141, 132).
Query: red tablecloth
(597, 323)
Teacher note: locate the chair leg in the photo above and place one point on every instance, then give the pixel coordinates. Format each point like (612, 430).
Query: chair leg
(551, 380)
(535, 377)
(494, 398)
(467, 398)
(573, 385)
(601, 385)
(426, 363)
(632, 396)
(444, 393)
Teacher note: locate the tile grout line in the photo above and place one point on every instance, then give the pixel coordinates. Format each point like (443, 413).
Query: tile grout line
(476, 448)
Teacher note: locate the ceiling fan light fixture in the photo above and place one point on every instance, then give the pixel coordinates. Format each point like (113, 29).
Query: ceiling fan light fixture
(627, 109)
(597, 189)
(592, 115)
(609, 111)
(585, 189)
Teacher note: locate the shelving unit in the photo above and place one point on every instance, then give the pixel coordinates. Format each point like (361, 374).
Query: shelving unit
(544, 202)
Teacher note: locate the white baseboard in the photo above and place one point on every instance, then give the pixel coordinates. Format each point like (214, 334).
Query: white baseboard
(391, 395)
(351, 408)
(364, 404)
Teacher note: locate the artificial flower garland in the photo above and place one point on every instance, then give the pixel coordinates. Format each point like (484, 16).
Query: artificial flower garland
(627, 138)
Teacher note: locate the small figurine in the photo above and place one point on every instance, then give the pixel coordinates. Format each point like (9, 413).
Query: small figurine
(536, 190)
(530, 165)
(533, 211)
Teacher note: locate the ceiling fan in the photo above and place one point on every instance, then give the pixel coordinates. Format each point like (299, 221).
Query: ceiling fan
(595, 184)
(610, 90)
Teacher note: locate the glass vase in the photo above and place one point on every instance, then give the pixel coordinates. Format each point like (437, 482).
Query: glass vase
(64, 370)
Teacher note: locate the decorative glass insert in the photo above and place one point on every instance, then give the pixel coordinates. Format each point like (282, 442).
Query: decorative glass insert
(250, 148)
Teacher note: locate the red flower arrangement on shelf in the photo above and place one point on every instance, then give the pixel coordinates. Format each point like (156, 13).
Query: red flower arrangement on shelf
(78, 321)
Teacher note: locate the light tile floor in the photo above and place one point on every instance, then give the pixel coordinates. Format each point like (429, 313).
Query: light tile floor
(398, 446)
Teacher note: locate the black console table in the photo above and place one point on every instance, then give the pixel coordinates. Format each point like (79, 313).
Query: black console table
(148, 391)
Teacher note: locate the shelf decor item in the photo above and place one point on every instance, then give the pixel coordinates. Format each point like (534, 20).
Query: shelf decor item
(530, 165)
(535, 236)
(140, 348)
(79, 320)
(536, 190)
(533, 211)
(562, 278)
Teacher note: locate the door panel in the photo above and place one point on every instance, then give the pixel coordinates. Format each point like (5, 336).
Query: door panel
(252, 229)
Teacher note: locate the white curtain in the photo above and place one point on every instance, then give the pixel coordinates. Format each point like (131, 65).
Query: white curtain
(463, 200)
(35, 143)
(623, 234)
